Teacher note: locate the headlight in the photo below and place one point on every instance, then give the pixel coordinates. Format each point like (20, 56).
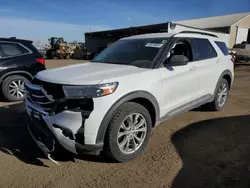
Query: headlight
(79, 92)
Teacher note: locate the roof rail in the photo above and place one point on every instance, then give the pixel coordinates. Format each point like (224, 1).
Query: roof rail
(201, 33)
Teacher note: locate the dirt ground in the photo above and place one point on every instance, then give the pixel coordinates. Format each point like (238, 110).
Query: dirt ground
(58, 63)
(197, 149)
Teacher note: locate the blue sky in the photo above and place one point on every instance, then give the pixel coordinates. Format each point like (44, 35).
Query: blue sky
(40, 19)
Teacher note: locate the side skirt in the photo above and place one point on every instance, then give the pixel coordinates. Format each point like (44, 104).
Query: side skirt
(186, 107)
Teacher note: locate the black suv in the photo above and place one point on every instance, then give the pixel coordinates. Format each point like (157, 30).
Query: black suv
(19, 61)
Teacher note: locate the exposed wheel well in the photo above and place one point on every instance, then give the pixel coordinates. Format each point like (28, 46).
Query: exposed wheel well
(228, 78)
(24, 74)
(140, 97)
(148, 105)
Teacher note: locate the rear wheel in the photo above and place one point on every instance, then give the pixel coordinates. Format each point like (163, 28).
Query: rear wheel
(128, 132)
(13, 88)
(221, 95)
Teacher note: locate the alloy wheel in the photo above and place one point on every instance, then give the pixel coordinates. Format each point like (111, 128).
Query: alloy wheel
(16, 89)
(222, 95)
(132, 133)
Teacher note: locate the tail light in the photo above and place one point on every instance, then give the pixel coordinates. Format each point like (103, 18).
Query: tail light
(40, 60)
(233, 59)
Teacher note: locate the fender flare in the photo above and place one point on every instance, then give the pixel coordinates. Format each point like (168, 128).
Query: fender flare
(14, 73)
(128, 97)
(226, 72)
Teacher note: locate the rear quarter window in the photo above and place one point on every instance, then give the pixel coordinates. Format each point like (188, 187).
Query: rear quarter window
(222, 47)
(12, 49)
(202, 49)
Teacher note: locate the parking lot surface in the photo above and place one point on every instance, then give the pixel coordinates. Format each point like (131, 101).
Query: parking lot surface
(197, 149)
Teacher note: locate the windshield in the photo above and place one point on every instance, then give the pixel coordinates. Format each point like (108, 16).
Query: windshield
(137, 52)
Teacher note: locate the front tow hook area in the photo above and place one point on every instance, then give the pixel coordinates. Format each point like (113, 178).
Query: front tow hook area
(53, 160)
(44, 148)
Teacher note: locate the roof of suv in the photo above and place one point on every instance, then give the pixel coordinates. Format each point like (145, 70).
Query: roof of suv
(13, 39)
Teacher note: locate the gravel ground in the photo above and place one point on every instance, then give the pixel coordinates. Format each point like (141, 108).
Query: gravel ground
(197, 149)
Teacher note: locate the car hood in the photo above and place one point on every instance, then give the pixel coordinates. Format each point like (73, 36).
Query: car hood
(86, 73)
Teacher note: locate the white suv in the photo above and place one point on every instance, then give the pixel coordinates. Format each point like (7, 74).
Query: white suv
(112, 103)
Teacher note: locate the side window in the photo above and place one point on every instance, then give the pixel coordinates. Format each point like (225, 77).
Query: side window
(222, 47)
(182, 47)
(203, 49)
(12, 49)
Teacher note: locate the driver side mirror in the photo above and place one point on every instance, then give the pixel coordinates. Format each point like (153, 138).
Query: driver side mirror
(176, 60)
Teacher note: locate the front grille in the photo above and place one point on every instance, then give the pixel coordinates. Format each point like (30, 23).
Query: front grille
(50, 97)
(44, 94)
(52, 89)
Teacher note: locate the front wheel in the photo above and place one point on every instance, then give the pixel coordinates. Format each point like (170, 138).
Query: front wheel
(128, 132)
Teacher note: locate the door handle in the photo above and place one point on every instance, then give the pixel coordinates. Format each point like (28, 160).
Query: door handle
(193, 68)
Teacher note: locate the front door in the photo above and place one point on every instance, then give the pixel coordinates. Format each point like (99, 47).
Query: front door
(180, 83)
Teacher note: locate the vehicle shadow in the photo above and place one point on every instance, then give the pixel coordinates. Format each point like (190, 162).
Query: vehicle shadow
(15, 139)
(203, 108)
(214, 153)
(2, 98)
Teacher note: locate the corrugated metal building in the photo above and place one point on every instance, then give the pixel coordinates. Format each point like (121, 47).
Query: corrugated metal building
(237, 25)
(236, 28)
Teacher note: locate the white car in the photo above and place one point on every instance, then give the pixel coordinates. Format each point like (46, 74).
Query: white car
(112, 103)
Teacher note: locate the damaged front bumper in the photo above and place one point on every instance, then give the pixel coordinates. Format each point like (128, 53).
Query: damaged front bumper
(39, 141)
(64, 128)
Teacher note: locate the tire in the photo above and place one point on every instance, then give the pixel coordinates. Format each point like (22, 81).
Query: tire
(67, 57)
(111, 145)
(8, 85)
(215, 105)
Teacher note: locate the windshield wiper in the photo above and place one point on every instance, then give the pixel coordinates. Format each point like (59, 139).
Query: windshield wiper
(111, 62)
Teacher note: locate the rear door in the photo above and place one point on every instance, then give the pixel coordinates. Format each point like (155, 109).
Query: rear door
(207, 65)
